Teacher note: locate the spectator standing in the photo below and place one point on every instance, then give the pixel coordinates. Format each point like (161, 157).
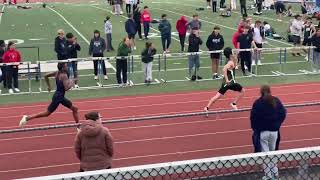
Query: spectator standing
(60, 45)
(72, 47)
(259, 7)
(96, 49)
(147, 58)
(208, 4)
(129, 4)
(245, 41)
(214, 6)
(124, 49)
(181, 27)
(194, 59)
(309, 31)
(165, 30)
(267, 116)
(315, 41)
(222, 4)
(118, 9)
(215, 42)
(2, 68)
(146, 19)
(233, 4)
(195, 23)
(257, 38)
(296, 28)
(12, 56)
(131, 30)
(137, 20)
(108, 32)
(94, 144)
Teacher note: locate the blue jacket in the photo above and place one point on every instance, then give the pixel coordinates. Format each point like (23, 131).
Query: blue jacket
(131, 27)
(264, 117)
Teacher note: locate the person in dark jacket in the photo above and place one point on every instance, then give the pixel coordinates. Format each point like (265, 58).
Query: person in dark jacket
(96, 49)
(131, 29)
(267, 116)
(147, 58)
(94, 144)
(315, 41)
(194, 60)
(71, 50)
(215, 42)
(124, 49)
(137, 20)
(60, 45)
(2, 68)
(165, 30)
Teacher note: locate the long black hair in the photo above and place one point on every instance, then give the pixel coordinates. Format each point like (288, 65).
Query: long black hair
(60, 67)
(227, 52)
(266, 95)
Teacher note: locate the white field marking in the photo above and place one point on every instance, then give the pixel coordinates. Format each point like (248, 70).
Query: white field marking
(275, 73)
(208, 120)
(76, 30)
(157, 139)
(164, 95)
(39, 39)
(187, 78)
(157, 80)
(150, 26)
(157, 155)
(1, 14)
(227, 27)
(176, 63)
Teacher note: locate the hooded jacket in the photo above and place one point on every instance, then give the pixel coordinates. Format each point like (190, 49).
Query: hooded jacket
(146, 16)
(165, 27)
(215, 42)
(235, 37)
(182, 25)
(97, 46)
(60, 48)
(94, 146)
(11, 56)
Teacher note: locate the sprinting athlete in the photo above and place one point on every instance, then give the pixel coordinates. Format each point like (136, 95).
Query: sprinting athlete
(228, 82)
(63, 84)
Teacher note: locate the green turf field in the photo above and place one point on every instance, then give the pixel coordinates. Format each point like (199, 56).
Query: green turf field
(37, 28)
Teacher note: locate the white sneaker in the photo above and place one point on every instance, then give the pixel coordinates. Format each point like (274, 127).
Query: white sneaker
(95, 77)
(253, 63)
(259, 63)
(10, 91)
(208, 7)
(234, 106)
(237, 67)
(134, 48)
(17, 90)
(76, 86)
(23, 121)
(245, 67)
(106, 77)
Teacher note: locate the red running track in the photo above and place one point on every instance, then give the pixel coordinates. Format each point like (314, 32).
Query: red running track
(50, 152)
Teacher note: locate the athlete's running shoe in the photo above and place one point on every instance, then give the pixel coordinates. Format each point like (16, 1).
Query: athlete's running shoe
(23, 121)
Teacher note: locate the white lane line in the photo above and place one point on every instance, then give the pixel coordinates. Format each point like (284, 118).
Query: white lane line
(1, 14)
(77, 31)
(157, 80)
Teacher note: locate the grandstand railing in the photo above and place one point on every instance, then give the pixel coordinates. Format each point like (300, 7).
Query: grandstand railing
(166, 67)
(302, 164)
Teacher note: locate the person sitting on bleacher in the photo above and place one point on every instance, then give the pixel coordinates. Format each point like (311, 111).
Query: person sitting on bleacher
(12, 56)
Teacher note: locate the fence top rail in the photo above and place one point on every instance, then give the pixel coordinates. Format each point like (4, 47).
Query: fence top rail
(171, 54)
(171, 168)
(16, 63)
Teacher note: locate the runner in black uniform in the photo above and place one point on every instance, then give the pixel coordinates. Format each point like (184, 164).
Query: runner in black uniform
(228, 82)
(63, 84)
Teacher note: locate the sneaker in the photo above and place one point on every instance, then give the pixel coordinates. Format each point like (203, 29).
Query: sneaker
(199, 77)
(253, 63)
(208, 7)
(23, 121)
(76, 86)
(259, 63)
(134, 48)
(206, 110)
(245, 67)
(95, 77)
(237, 67)
(10, 91)
(234, 106)
(17, 90)
(106, 77)
(78, 129)
(215, 76)
(299, 54)
(193, 78)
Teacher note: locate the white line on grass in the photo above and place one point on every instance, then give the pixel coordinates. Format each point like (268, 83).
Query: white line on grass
(76, 30)
(227, 27)
(1, 14)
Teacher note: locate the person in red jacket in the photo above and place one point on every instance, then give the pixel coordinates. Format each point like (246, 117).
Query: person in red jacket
(12, 56)
(94, 144)
(235, 38)
(146, 19)
(182, 27)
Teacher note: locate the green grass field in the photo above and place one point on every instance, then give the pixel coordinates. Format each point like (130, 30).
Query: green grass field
(37, 28)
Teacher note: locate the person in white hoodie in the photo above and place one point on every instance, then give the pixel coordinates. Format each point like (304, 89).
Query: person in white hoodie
(108, 32)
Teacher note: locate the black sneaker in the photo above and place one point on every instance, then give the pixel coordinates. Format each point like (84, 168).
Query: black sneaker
(199, 77)
(145, 81)
(215, 76)
(193, 78)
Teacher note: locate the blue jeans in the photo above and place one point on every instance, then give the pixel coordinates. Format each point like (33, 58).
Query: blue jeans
(146, 29)
(166, 41)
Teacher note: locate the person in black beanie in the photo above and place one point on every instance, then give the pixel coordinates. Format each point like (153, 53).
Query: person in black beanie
(3, 68)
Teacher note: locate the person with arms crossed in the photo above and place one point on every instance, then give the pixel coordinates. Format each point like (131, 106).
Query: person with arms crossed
(63, 84)
(228, 82)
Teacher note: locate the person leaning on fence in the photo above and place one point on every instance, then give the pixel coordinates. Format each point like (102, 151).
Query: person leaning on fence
(108, 32)
(96, 49)
(72, 47)
(60, 45)
(215, 42)
(267, 116)
(165, 30)
(182, 28)
(124, 49)
(147, 58)
(194, 60)
(12, 56)
(315, 41)
(94, 144)
(2, 68)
